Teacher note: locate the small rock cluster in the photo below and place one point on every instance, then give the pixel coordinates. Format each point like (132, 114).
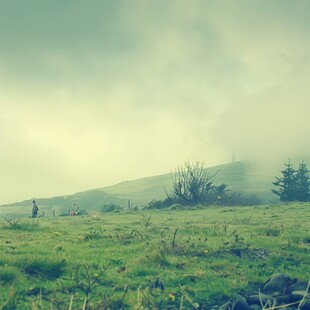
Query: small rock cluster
(279, 292)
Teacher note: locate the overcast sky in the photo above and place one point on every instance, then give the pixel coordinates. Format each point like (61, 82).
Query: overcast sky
(96, 92)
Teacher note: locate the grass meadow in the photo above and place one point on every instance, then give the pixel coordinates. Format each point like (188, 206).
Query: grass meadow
(170, 259)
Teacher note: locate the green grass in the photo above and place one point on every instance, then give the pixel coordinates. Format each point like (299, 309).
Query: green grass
(150, 259)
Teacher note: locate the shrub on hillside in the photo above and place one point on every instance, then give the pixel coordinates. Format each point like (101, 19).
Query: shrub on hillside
(161, 204)
(111, 207)
(239, 198)
(17, 224)
(193, 184)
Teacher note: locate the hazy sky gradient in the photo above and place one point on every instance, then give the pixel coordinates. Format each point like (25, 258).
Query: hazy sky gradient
(96, 92)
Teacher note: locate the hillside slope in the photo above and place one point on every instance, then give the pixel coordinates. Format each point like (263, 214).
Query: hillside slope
(240, 176)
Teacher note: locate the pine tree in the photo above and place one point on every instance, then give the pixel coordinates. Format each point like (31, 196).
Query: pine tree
(302, 183)
(286, 184)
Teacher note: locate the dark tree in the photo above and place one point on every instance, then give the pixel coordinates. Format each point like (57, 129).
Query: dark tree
(193, 184)
(286, 184)
(302, 183)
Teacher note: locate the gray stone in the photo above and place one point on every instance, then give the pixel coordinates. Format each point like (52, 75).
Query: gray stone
(283, 299)
(277, 284)
(255, 307)
(226, 306)
(260, 298)
(306, 305)
(298, 286)
(299, 295)
(280, 291)
(240, 304)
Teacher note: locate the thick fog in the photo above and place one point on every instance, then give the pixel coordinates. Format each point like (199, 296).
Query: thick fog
(96, 92)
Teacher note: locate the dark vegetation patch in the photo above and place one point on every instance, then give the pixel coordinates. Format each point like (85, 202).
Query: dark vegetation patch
(13, 223)
(111, 207)
(249, 253)
(8, 275)
(42, 267)
(306, 241)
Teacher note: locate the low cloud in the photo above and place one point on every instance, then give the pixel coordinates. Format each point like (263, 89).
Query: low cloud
(98, 92)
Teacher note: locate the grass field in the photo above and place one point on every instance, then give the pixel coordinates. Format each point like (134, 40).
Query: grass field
(150, 259)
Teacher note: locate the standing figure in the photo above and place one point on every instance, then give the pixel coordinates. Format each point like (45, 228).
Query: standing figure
(35, 209)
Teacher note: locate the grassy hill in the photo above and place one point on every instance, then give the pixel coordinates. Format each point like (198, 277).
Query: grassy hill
(240, 176)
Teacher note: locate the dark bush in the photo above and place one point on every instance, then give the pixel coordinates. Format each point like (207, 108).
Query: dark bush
(226, 198)
(239, 198)
(161, 204)
(193, 184)
(111, 207)
(45, 268)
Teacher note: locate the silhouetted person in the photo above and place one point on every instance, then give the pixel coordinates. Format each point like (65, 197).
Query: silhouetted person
(35, 209)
